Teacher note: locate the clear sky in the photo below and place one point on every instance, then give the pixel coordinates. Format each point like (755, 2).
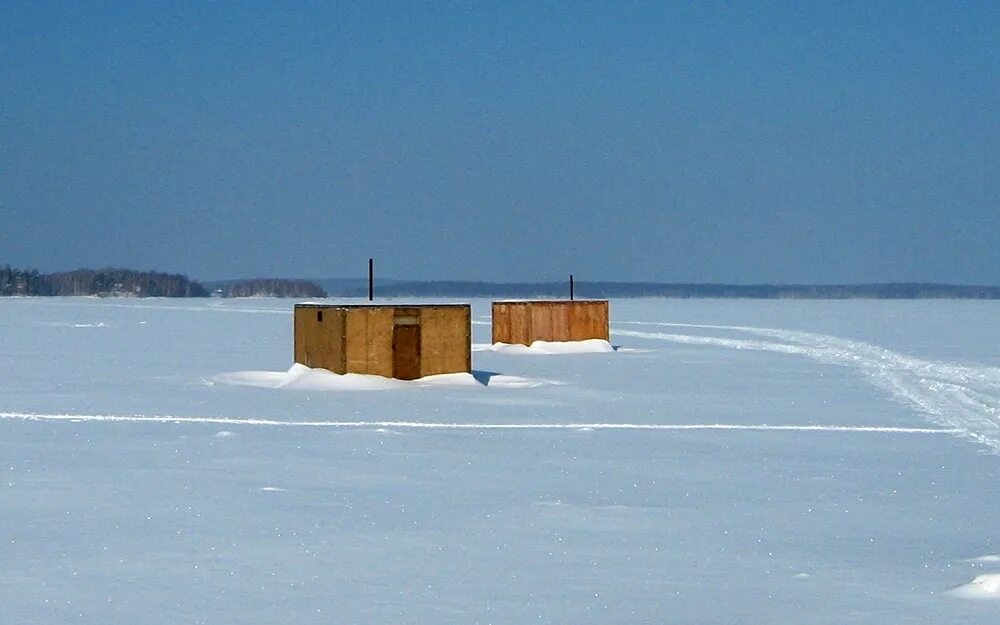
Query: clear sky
(664, 141)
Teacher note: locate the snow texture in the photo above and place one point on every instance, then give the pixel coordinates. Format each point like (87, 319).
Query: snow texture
(732, 461)
(302, 378)
(548, 348)
(982, 587)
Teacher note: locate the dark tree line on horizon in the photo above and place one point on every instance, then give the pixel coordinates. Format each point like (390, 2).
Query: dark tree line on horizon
(23, 282)
(113, 282)
(105, 282)
(530, 290)
(271, 287)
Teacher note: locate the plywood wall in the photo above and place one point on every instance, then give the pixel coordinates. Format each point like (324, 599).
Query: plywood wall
(569, 320)
(319, 343)
(589, 321)
(359, 339)
(369, 340)
(446, 340)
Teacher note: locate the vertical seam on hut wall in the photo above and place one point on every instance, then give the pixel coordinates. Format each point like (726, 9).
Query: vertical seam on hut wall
(420, 341)
(343, 341)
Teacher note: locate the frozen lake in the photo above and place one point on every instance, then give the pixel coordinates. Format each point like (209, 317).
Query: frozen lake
(735, 461)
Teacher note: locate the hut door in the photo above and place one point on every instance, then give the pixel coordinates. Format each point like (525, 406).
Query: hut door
(406, 351)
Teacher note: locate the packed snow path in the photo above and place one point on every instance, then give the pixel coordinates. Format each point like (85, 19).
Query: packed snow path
(421, 425)
(714, 471)
(962, 398)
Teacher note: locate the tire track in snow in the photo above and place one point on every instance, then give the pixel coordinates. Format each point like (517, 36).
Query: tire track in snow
(960, 397)
(424, 425)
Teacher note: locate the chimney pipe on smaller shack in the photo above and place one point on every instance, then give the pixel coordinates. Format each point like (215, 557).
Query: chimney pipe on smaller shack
(371, 279)
(571, 287)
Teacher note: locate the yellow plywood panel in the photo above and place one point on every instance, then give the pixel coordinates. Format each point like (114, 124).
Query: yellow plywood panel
(467, 324)
(356, 340)
(500, 321)
(520, 324)
(300, 339)
(445, 340)
(541, 323)
(589, 320)
(598, 318)
(512, 322)
(360, 339)
(335, 339)
(378, 338)
(319, 331)
(368, 340)
(560, 319)
(583, 322)
(325, 336)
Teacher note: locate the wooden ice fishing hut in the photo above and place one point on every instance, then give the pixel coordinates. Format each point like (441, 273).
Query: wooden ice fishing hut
(395, 341)
(549, 320)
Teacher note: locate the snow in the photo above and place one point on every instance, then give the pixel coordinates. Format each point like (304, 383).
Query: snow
(989, 558)
(982, 587)
(733, 461)
(546, 348)
(302, 378)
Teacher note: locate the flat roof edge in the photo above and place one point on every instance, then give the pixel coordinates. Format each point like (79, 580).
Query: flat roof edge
(400, 305)
(549, 301)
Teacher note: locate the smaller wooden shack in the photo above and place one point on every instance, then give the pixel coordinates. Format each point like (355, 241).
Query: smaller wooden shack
(395, 341)
(549, 320)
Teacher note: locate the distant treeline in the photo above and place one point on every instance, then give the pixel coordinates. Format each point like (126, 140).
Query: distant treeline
(126, 282)
(105, 282)
(269, 287)
(652, 289)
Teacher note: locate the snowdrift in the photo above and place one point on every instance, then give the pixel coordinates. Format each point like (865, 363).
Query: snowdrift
(302, 378)
(985, 586)
(546, 348)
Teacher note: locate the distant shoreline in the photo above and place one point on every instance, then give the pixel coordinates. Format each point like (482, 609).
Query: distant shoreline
(455, 288)
(131, 283)
(117, 282)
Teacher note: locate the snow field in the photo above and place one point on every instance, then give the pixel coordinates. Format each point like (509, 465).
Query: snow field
(810, 472)
(549, 348)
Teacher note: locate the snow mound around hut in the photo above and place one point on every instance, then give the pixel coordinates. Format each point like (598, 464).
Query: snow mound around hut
(987, 558)
(546, 348)
(302, 378)
(985, 586)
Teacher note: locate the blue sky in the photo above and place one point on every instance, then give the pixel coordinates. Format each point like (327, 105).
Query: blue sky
(712, 142)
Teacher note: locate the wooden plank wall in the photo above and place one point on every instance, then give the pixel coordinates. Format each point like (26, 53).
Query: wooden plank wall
(379, 337)
(299, 331)
(520, 325)
(445, 339)
(332, 344)
(356, 341)
(526, 322)
(368, 339)
(359, 340)
(319, 343)
(511, 322)
(500, 322)
(589, 321)
(558, 318)
(549, 321)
